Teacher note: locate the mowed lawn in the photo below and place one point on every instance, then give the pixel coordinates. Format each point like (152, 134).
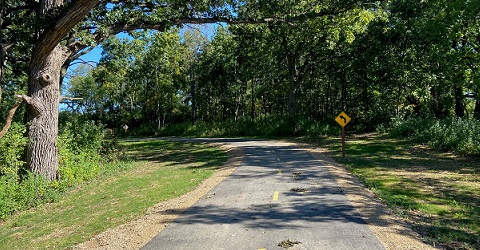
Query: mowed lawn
(159, 170)
(437, 192)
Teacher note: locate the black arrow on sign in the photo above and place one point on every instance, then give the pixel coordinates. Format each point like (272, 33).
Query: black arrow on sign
(344, 119)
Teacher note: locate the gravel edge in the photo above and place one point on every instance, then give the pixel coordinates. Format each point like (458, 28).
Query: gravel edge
(391, 230)
(135, 234)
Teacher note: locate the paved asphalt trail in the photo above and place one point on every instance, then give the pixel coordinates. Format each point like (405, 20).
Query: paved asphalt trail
(278, 193)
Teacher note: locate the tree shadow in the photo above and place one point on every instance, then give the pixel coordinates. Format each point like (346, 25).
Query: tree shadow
(416, 179)
(195, 155)
(271, 216)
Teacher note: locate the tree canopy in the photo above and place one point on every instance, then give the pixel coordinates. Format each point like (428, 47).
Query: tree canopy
(377, 62)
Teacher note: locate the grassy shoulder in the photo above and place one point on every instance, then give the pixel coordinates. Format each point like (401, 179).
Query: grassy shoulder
(437, 192)
(160, 170)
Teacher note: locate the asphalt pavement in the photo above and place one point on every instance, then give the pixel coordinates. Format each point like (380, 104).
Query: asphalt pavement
(279, 197)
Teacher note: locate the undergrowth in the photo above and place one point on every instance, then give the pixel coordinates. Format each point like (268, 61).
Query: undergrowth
(454, 134)
(84, 154)
(270, 126)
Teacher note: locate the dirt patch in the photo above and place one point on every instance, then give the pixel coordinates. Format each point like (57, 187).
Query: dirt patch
(298, 190)
(288, 243)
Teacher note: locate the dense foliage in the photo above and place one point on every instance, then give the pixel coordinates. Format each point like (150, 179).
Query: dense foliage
(266, 127)
(453, 134)
(273, 68)
(85, 154)
(377, 62)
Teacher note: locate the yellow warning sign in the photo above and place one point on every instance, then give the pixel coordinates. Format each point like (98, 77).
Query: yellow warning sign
(343, 119)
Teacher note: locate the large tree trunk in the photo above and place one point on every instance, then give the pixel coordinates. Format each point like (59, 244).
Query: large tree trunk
(42, 112)
(2, 51)
(47, 59)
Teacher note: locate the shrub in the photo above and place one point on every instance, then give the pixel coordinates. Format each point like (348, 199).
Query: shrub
(11, 149)
(81, 145)
(266, 126)
(453, 134)
(18, 192)
(8, 189)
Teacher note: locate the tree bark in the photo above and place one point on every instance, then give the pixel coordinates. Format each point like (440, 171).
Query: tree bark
(47, 59)
(293, 81)
(42, 112)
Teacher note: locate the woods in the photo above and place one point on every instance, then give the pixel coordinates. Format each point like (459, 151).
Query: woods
(395, 59)
(283, 61)
(286, 61)
(270, 68)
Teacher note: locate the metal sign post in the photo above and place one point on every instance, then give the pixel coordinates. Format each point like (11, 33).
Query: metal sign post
(343, 142)
(343, 119)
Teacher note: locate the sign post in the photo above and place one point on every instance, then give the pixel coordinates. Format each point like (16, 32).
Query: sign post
(343, 119)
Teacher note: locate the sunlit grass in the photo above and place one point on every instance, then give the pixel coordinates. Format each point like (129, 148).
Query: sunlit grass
(438, 192)
(162, 170)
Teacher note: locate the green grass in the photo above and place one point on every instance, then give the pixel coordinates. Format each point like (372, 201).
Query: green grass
(162, 170)
(437, 192)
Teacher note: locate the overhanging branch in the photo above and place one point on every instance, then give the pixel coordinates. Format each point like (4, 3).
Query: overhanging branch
(98, 36)
(70, 98)
(288, 19)
(67, 20)
(8, 122)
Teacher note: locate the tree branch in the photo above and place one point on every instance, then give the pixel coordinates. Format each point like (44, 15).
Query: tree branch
(121, 27)
(99, 37)
(67, 20)
(90, 63)
(8, 122)
(288, 19)
(31, 101)
(70, 98)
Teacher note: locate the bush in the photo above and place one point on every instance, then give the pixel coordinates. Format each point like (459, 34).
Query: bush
(269, 126)
(11, 148)
(82, 151)
(453, 134)
(8, 189)
(18, 192)
(81, 145)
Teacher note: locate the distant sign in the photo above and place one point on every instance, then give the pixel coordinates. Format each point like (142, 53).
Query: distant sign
(343, 119)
